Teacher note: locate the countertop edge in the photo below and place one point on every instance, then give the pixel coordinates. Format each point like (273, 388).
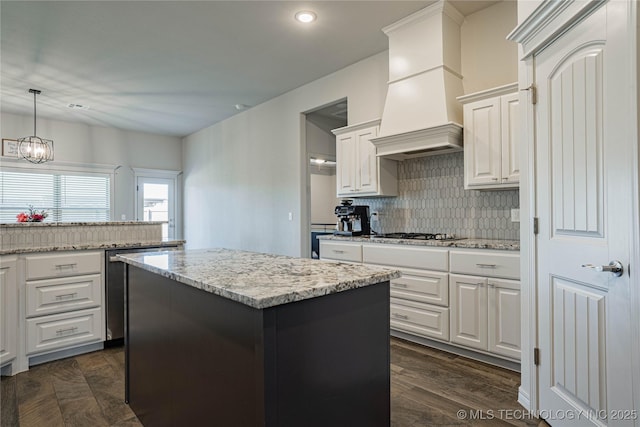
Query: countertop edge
(491, 244)
(92, 246)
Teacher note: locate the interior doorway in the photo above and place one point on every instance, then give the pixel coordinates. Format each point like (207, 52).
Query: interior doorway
(321, 169)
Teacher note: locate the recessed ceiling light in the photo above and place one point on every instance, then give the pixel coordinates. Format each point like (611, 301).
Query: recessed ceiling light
(305, 16)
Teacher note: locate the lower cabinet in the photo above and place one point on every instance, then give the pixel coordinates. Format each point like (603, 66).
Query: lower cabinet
(469, 311)
(58, 331)
(504, 317)
(8, 309)
(465, 297)
(63, 296)
(426, 320)
(485, 314)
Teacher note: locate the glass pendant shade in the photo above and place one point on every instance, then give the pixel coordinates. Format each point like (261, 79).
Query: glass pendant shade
(33, 148)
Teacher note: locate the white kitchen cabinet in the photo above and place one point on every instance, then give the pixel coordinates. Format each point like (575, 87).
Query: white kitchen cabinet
(468, 298)
(425, 320)
(359, 171)
(420, 297)
(491, 155)
(8, 309)
(504, 317)
(485, 310)
(469, 311)
(64, 294)
(341, 251)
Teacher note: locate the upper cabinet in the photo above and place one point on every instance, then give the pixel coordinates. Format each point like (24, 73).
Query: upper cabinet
(491, 155)
(359, 171)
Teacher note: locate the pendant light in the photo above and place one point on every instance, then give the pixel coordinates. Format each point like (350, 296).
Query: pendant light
(33, 148)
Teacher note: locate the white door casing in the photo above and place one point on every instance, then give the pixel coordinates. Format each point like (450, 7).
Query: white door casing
(583, 201)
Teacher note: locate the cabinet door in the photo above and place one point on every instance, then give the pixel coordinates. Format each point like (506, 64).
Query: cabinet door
(468, 307)
(8, 313)
(367, 161)
(510, 141)
(345, 164)
(504, 317)
(482, 151)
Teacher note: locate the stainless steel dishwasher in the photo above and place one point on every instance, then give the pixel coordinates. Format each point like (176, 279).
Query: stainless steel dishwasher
(114, 291)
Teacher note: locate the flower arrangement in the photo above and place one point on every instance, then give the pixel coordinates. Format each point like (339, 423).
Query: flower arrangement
(32, 216)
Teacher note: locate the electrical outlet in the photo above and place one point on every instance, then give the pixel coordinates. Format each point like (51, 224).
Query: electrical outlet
(290, 216)
(123, 217)
(515, 215)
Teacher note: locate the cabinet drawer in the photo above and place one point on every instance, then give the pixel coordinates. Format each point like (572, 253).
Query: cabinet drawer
(63, 294)
(60, 265)
(341, 251)
(429, 287)
(63, 330)
(415, 318)
(486, 263)
(406, 256)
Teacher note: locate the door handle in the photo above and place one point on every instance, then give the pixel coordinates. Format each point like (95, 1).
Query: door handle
(614, 267)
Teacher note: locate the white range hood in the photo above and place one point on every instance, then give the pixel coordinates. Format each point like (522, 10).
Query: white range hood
(421, 114)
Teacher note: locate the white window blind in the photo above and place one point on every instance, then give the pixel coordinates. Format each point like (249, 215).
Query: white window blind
(67, 197)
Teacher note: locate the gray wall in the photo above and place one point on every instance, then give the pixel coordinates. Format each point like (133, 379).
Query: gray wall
(82, 144)
(244, 175)
(248, 172)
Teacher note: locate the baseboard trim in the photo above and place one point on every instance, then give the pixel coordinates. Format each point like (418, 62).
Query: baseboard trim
(491, 360)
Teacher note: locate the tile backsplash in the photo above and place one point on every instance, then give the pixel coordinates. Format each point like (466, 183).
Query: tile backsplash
(432, 198)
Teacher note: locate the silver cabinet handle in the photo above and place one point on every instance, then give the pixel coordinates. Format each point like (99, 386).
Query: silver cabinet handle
(614, 267)
(70, 265)
(400, 316)
(399, 285)
(67, 331)
(66, 296)
(494, 179)
(338, 251)
(486, 265)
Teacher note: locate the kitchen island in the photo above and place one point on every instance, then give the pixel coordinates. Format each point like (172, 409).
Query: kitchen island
(234, 338)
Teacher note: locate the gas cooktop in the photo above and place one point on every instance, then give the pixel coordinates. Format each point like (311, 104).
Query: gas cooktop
(416, 236)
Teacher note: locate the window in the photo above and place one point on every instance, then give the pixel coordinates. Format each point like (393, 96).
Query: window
(67, 196)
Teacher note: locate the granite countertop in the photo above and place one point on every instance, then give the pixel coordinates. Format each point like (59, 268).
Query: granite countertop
(75, 224)
(256, 279)
(92, 246)
(505, 245)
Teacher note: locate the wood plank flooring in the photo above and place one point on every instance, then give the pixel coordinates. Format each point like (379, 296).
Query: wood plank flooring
(428, 388)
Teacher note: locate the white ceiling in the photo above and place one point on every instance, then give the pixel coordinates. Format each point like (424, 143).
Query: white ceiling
(175, 67)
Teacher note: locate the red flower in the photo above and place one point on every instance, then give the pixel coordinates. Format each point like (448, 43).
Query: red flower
(22, 217)
(37, 217)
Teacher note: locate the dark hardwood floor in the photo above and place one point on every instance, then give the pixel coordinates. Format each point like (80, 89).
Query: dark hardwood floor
(428, 388)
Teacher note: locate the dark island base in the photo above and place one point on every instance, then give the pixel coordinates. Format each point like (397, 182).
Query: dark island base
(194, 358)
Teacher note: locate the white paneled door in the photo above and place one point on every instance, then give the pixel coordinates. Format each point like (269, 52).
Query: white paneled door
(583, 187)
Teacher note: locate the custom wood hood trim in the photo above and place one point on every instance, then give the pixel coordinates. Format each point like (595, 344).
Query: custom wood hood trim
(441, 139)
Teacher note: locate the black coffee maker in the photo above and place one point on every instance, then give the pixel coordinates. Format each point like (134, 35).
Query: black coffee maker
(352, 220)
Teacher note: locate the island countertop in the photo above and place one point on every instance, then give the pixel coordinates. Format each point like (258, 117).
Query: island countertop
(256, 279)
